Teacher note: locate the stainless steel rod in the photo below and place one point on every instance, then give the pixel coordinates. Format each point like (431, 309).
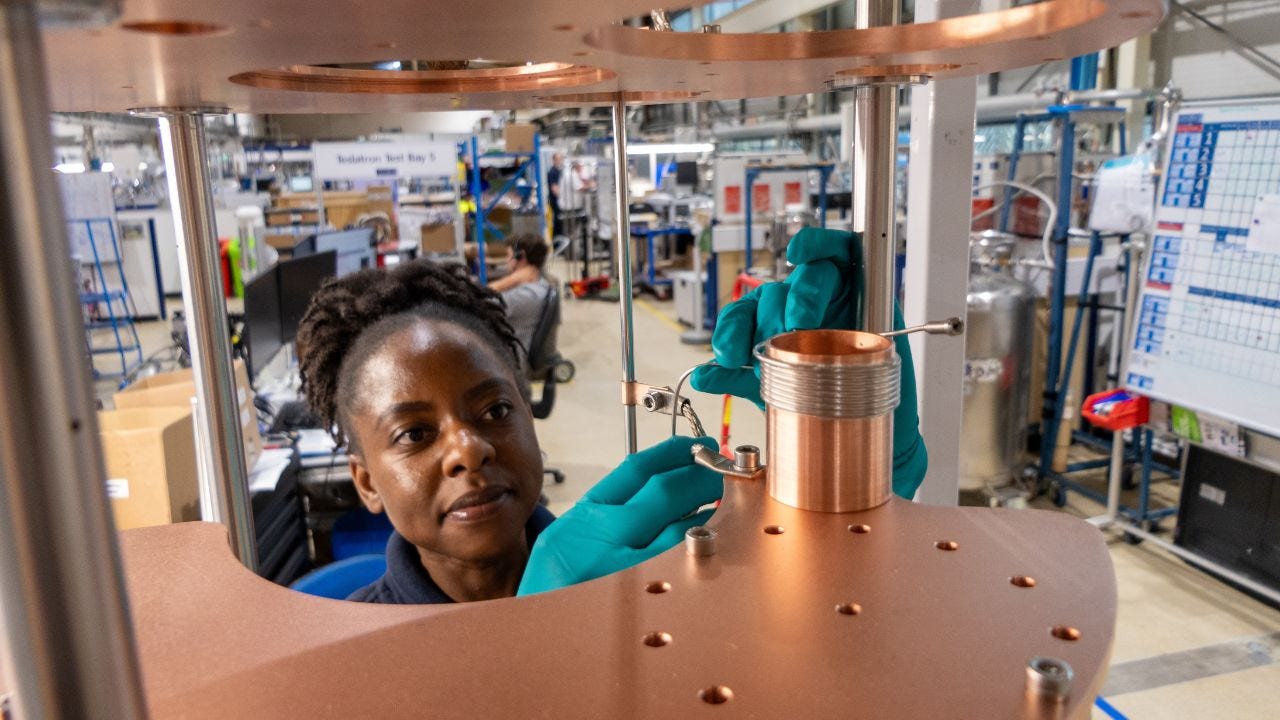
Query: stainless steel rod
(875, 110)
(66, 618)
(182, 139)
(622, 254)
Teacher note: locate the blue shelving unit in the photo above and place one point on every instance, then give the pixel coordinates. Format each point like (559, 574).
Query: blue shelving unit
(529, 167)
(1058, 369)
(108, 308)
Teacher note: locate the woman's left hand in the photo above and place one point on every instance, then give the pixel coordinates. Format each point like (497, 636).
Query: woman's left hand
(637, 511)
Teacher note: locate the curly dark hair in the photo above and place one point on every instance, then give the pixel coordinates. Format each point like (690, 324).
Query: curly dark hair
(349, 318)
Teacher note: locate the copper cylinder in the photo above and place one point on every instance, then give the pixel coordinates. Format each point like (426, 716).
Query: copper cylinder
(830, 396)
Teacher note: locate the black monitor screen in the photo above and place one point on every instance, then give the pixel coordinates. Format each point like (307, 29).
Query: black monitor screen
(299, 280)
(687, 174)
(354, 248)
(262, 320)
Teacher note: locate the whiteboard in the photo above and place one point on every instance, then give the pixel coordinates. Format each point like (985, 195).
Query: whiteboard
(1207, 335)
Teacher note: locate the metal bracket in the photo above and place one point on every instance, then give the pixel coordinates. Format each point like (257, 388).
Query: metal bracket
(745, 465)
(652, 398)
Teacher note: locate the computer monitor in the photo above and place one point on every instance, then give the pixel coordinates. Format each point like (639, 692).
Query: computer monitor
(687, 174)
(300, 184)
(299, 280)
(354, 248)
(262, 320)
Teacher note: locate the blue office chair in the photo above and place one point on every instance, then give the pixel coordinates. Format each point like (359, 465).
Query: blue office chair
(339, 579)
(359, 532)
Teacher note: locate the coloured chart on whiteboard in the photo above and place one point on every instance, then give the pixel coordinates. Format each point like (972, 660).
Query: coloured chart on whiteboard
(1208, 332)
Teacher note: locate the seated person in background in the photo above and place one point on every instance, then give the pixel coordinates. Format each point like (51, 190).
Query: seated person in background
(523, 288)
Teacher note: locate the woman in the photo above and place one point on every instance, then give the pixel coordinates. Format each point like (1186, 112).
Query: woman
(417, 372)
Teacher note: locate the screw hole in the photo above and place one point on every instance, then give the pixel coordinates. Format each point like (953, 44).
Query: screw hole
(1065, 632)
(1023, 581)
(948, 545)
(563, 28)
(774, 529)
(657, 587)
(657, 639)
(75, 426)
(849, 608)
(715, 695)
(860, 529)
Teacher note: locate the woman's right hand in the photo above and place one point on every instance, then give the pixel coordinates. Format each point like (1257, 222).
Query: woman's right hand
(639, 510)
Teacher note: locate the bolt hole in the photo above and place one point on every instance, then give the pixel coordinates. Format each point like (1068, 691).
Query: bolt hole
(849, 608)
(715, 695)
(1065, 632)
(774, 529)
(657, 587)
(1023, 581)
(657, 639)
(948, 545)
(860, 529)
(75, 426)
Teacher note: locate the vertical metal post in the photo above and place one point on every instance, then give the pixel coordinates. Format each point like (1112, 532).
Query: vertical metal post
(1057, 296)
(182, 139)
(66, 619)
(935, 283)
(476, 197)
(875, 123)
(622, 255)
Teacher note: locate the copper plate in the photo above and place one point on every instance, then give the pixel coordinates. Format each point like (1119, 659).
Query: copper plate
(817, 617)
(184, 52)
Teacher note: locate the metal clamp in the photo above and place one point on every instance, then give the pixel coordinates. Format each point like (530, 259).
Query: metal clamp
(950, 326)
(745, 465)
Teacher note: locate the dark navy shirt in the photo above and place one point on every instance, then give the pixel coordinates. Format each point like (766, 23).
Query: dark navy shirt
(406, 582)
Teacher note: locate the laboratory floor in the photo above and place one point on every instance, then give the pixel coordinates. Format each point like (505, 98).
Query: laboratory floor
(1186, 645)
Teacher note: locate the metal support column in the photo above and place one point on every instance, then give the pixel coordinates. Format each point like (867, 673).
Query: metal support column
(70, 646)
(874, 164)
(182, 139)
(622, 254)
(936, 278)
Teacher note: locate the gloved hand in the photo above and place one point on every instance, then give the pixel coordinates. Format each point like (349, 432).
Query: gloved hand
(824, 291)
(636, 512)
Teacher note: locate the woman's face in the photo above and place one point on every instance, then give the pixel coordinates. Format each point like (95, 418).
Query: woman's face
(446, 445)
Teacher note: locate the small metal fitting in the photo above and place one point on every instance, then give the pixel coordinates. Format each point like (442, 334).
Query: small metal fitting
(950, 326)
(1049, 679)
(746, 458)
(700, 541)
(711, 29)
(655, 401)
(708, 458)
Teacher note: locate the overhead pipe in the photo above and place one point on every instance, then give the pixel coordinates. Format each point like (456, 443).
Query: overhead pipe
(989, 109)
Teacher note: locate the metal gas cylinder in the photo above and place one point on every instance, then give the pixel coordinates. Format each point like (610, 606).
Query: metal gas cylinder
(998, 337)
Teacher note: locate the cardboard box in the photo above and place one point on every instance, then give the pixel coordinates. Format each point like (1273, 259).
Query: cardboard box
(280, 218)
(151, 465)
(437, 239)
(519, 137)
(175, 389)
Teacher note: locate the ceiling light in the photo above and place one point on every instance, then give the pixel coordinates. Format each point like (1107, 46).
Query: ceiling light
(669, 148)
(69, 168)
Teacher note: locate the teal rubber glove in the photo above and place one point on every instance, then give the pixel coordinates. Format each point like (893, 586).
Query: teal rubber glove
(639, 510)
(824, 291)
